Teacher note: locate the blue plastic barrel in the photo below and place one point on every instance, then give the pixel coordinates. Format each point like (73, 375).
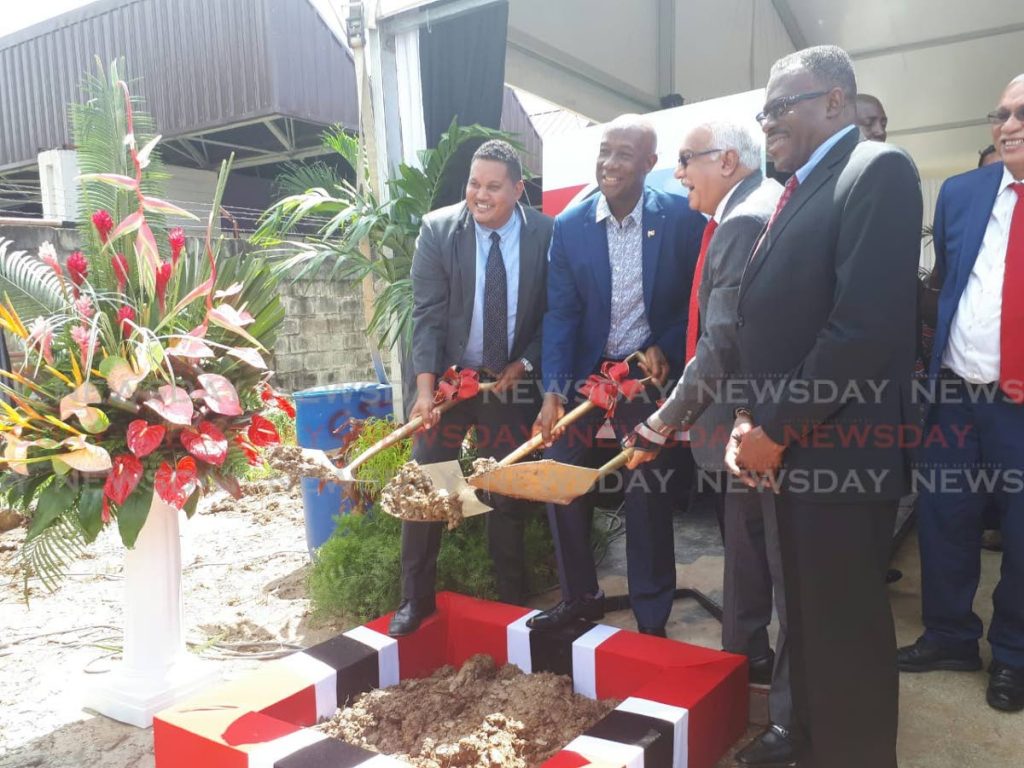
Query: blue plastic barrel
(321, 421)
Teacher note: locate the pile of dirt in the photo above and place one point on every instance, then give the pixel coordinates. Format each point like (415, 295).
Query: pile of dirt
(411, 495)
(293, 463)
(484, 466)
(478, 717)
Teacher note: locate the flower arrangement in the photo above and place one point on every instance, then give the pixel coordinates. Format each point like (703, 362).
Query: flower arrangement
(145, 368)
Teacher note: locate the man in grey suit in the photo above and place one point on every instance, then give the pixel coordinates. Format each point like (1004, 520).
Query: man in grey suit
(478, 278)
(719, 163)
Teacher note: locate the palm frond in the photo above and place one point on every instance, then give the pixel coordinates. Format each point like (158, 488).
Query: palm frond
(297, 178)
(49, 555)
(32, 286)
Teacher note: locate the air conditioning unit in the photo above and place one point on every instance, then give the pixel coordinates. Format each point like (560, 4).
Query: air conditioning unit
(58, 170)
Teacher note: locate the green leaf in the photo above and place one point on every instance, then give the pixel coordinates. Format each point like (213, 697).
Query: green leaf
(131, 515)
(54, 501)
(90, 510)
(190, 505)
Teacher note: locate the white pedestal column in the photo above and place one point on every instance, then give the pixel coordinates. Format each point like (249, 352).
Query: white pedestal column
(155, 671)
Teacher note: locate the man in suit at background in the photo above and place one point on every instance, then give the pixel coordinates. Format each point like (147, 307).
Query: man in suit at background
(619, 276)
(826, 316)
(979, 354)
(720, 165)
(478, 277)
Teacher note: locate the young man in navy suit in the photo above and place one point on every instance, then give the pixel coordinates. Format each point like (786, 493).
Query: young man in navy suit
(620, 268)
(978, 359)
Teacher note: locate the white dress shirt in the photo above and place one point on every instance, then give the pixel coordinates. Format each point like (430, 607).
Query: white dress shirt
(973, 349)
(509, 245)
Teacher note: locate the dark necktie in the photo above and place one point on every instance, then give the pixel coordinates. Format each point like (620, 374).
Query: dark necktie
(495, 353)
(693, 323)
(1011, 348)
(787, 193)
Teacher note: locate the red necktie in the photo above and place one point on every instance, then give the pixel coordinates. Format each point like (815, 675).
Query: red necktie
(693, 324)
(787, 193)
(1011, 346)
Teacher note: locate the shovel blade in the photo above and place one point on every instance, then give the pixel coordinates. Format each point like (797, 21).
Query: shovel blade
(448, 475)
(548, 481)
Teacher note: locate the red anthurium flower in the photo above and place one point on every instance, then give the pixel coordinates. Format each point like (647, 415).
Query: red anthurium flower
(262, 432)
(206, 443)
(269, 396)
(125, 315)
(174, 484)
(103, 223)
(251, 454)
(176, 237)
(144, 438)
(163, 276)
(120, 265)
(124, 476)
(78, 267)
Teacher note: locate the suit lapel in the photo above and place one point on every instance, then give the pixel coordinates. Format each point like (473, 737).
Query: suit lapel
(465, 257)
(743, 191)
(529, 267)
(974, 234)
(595, 241)
(822, 172)
(651, 233)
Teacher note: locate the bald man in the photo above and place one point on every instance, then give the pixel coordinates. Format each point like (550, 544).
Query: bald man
(871, 118)
(619, 274)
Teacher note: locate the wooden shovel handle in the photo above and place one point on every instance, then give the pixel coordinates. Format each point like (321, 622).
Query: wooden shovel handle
(615, 464)
(537, 440)
(409, 428)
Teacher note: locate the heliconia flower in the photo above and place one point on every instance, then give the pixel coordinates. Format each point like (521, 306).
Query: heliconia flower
(176, 237)
(41, 336)
(84, 307)
(120, 265)
(125, 316)
(163, 276)
(78, 267)
(103, 223)
(85, 341)
(48, 255)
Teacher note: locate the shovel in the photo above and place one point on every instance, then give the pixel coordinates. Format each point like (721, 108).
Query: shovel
(549, 481)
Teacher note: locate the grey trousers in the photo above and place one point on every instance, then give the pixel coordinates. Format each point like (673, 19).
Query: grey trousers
(753, 577)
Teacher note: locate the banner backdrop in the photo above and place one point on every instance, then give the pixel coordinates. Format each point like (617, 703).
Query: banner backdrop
(569, 159)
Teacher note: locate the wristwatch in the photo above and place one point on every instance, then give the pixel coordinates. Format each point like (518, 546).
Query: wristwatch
(526, 364)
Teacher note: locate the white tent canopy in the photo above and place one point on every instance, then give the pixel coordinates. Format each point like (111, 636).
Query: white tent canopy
(937, 65)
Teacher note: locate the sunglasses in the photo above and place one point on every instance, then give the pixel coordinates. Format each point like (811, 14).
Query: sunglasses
(781, 106)
(1000, 116)
(686, 157)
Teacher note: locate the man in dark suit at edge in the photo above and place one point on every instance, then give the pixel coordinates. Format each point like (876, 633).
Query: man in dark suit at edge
(619, 276)
(478, 278)
(828, 298)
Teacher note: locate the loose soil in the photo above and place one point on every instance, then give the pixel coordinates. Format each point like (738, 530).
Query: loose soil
(480, 716)
(410, 495)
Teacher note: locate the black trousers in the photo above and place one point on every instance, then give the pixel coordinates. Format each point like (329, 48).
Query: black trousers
(841, 634)
(502, 424)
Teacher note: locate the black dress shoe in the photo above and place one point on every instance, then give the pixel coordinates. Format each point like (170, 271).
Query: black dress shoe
(893, 575)
(656, 631)
(563, 614)
(760, 669)
(925, 657)
(1005, 687)
(776, 746)
(410, 615)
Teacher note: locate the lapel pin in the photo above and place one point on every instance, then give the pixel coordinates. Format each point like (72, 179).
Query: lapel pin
(650, 233)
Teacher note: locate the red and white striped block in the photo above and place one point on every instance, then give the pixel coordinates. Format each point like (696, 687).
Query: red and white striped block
(683, 706)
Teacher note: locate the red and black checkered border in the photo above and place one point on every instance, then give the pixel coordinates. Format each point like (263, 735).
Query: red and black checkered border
(683, 706)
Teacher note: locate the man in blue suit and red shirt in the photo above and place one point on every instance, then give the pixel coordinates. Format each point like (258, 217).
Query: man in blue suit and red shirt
(619, 273)
(978, 360)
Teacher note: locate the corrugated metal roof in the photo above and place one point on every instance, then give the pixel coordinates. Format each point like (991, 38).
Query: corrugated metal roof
(534, 119)
(200, 65)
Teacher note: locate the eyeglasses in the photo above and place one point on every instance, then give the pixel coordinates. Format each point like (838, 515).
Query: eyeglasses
(780, 107)
(686, 157)
(1000, 116)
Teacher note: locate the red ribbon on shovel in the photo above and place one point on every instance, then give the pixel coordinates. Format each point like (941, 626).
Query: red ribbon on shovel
(604, 389)
(457, 384)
